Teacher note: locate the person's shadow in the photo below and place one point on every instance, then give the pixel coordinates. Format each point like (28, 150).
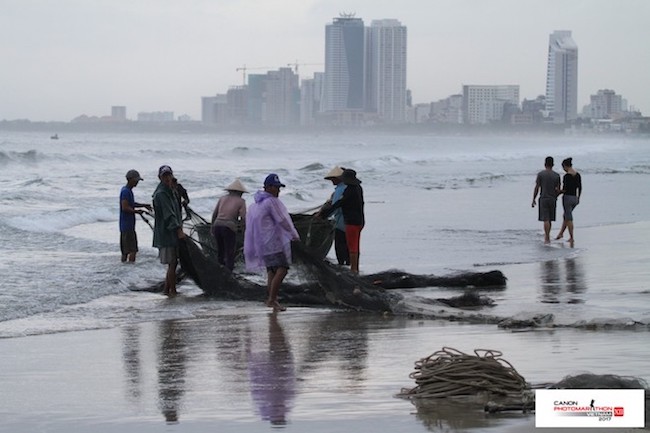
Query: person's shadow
(272, 375)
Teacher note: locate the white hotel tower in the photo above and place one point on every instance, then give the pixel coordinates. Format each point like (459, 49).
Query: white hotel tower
(386, 70)
(562, 77)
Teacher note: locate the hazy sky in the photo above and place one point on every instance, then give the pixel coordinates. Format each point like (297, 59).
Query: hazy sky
(63, 58)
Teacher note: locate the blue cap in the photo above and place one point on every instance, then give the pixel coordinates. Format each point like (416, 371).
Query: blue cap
(164, 169)
(273, 180)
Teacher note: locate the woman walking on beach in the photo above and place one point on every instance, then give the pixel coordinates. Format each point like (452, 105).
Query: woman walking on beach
(571, 188)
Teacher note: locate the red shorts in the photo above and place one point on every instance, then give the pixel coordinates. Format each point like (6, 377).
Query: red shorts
(352, 237)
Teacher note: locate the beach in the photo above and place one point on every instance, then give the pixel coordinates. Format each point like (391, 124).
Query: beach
(83, 347)
(337, 371)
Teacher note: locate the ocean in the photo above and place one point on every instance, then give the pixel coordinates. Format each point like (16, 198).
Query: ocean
(434, 205)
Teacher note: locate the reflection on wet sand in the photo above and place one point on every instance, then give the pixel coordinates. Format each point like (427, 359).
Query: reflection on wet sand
(459, 414)
(343, 337)
(246, 354)
(272, 375)
(171, 368)
(558, 287)
(131, 358)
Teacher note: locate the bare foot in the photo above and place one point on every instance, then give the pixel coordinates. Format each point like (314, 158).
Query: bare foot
(277, 307)
(547, 241)
(559, 236)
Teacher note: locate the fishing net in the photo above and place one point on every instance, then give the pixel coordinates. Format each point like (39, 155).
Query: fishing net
(600, 381)
(450, 372)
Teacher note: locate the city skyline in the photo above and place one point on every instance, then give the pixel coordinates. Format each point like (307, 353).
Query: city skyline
(70, 58)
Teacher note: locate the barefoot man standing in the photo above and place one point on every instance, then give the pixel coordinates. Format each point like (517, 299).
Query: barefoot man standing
(547, 185)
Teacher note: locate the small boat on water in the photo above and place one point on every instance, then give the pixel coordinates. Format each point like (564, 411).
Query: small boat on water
(55, 137)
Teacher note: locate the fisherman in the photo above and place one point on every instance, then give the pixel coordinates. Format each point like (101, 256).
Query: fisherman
(182, 197)
(352, 207)
(168, 228)
(128, 209)
(340, 244)
(268, 236)
(228, 218)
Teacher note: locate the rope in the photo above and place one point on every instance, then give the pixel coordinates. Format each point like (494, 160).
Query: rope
(450, 372)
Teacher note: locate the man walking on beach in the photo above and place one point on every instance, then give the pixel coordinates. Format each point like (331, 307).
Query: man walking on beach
(268, 236)
(128, 209)
(168, 228)
(547, 185)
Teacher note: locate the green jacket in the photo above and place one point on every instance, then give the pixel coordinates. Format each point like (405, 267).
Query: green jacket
(167, 217)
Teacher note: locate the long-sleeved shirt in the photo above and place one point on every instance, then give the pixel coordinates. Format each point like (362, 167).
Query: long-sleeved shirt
(228, 211)
(167, 217)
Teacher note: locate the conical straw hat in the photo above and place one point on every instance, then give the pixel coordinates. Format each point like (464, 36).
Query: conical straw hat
(236, 186)
(335, 172)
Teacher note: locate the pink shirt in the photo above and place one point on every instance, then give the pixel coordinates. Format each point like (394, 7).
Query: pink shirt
(229, 209)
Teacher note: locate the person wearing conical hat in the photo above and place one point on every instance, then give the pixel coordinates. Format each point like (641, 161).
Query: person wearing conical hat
(228, 217)
(352, 207)
(340, 244)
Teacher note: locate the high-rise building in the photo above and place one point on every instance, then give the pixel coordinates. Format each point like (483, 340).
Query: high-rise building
(562, 78)
(311, 90)
(344, 65)
(486, 104)
(118, 113)
(386, 70)
(605, 104)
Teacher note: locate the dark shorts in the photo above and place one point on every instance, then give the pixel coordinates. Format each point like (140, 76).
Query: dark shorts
(275, 261)
(128, 242)
(547, 208)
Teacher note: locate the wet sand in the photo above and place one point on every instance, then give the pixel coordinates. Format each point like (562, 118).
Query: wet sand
(236, 367)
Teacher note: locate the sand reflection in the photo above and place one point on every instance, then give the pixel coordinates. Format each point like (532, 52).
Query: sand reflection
(272, 375)
(171, 369)
(562, 281)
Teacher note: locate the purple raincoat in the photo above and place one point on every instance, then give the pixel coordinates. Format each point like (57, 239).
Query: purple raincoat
(269, 230)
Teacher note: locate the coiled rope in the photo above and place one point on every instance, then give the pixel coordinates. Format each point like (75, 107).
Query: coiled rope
(450, 372)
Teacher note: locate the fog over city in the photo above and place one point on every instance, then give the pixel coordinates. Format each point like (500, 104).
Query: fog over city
(61, 59)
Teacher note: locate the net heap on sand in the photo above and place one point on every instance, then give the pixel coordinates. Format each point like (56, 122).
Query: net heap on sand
(450, 372)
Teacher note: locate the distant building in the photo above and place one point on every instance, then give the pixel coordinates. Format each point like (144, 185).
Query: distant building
(273, 98)
(214, 109)
(533, 109)
(311, 91)
(281, 102)
(237, 105)
(605, 104)
(118, 113)
(386, 70)
(562, 78)
(448, 110)
(486, 104)
(156, 116)
(344, 65)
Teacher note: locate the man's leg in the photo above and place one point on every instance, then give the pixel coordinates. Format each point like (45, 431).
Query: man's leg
(547, 232)
(274, 280)
(170, 280)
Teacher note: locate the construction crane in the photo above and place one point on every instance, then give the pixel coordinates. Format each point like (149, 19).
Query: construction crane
(247, 68)
(296, 64)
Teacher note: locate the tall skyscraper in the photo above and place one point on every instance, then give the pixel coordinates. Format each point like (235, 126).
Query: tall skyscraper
(562, 77)
(386, 70)
(344, 65)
